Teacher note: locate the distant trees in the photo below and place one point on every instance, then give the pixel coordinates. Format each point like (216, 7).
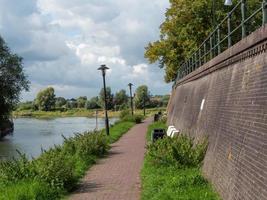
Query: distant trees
(109, 96)
(46, 99)
(12, 80)
(81, 101)
(121, 99)
(60, 102)
(93, 103)
(142, 96)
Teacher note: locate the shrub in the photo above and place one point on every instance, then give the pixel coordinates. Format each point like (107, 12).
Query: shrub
(56, 169)
(124, 114)
(179, 151)
(138, 119)
(17, 169)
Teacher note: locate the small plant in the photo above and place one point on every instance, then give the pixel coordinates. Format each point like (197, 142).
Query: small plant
(179, 151)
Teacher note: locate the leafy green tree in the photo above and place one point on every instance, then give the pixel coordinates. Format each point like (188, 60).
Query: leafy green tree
(71, 103)
(121, 98)
(93, 103)
(110, 96)
(60, 102)
(12, 80)
(142, 96)
(28, 105)
(81, 101)
(45, 99)
(187, 24)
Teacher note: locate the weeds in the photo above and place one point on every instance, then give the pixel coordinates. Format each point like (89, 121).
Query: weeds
(58, 170)
(172, 169)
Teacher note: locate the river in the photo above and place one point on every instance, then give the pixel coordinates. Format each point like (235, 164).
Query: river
(30, 135)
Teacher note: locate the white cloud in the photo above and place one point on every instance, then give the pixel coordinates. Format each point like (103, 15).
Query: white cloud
(63, 42)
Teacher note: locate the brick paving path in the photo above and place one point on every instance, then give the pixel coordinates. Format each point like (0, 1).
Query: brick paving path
(117, 177)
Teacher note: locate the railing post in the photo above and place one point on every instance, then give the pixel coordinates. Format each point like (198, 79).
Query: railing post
(196, 60)
(188, 67)
(199, 57)
(211, 48)
(264, 12)
(243, 15)
(205, 52)
(229, 30)
(219, 39)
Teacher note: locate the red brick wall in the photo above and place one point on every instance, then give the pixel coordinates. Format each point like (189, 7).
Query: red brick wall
(234, 117)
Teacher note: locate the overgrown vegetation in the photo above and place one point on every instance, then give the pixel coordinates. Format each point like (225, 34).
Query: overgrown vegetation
(187, 24)
(172, 169)
(58, 170)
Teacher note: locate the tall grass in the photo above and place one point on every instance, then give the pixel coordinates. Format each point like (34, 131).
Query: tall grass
(58, 170)
(172, 169)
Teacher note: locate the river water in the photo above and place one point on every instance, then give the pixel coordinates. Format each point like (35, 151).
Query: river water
(30, 135)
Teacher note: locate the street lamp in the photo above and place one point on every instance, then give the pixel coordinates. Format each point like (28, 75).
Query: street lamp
(103, 68)
(131, 97)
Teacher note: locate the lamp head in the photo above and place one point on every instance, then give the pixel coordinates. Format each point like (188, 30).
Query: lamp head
(130, 84)
(103, 68)
(228, 3)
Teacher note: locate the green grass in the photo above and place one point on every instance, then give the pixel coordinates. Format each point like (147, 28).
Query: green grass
(170, 182)
(117, 130)
(57, 171)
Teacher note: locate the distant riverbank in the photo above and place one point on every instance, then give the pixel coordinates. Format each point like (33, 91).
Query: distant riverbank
(75, 113)
(68, 113)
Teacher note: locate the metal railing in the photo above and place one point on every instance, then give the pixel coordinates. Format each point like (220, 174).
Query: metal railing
(215, 43)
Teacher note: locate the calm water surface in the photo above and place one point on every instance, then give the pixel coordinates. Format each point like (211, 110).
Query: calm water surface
(31, 135)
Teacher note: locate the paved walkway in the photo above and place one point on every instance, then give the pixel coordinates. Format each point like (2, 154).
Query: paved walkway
(117, 177)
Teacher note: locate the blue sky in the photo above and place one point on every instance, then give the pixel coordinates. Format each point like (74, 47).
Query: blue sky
(63, 42)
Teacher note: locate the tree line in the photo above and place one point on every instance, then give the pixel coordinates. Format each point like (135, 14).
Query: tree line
(46, 100)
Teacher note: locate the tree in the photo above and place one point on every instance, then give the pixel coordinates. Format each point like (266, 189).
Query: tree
(71, 103)
(93, 103)
(12, 80)
(142, 95)
(81, 101)
(110, 103)
(121, 98)
(187, 24)
(45, 99)
(60, 101)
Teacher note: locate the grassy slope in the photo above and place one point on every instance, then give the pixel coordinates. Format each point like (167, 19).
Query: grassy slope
(171, 183)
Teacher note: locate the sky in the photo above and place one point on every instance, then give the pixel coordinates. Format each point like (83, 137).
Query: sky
(63, 42)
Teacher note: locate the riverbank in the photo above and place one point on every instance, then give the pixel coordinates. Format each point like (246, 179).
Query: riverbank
(79, 112)
(6, 127)
(58, 170)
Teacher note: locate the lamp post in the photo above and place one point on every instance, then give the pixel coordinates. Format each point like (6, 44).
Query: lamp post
(103, 68)
(131, 97)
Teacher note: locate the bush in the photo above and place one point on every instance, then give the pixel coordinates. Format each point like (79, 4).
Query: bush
(124, 114)
(179, 151)
(17, 169)
(56, 169)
